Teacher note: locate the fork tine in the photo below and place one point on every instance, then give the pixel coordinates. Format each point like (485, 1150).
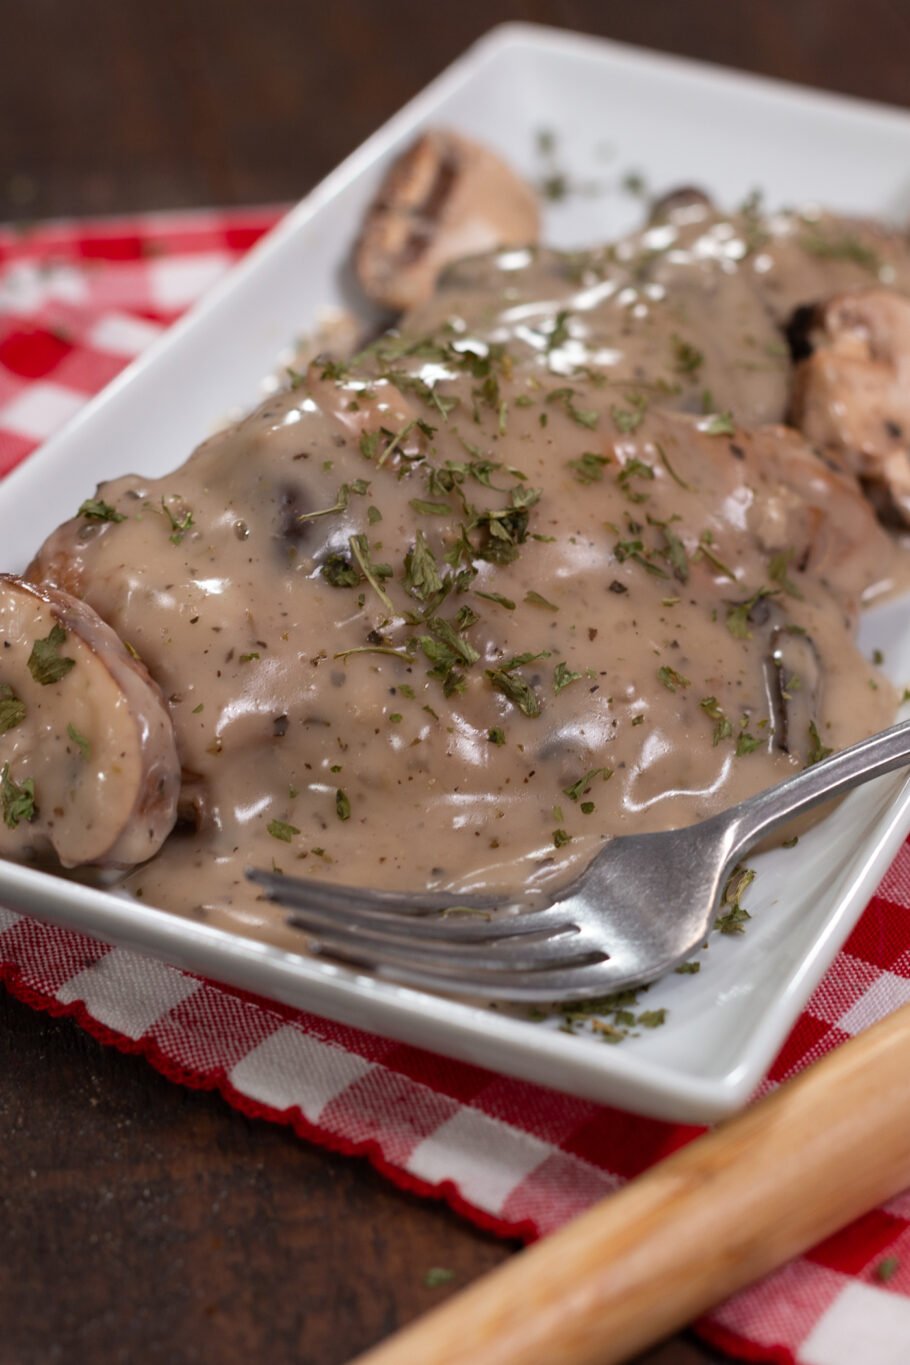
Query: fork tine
(399, 950)
(302, 891)
(451, 930)
(586, 981)
(314, 912)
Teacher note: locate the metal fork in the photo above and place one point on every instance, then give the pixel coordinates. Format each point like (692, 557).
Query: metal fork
(638, 909)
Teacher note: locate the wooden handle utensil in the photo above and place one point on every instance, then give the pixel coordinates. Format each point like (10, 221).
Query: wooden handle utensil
(716, 1216)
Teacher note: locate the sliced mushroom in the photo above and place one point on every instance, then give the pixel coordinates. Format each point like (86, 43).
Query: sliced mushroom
(793, 679)
(444, 198)
(88, 759)
(686, 204)
(851, 394)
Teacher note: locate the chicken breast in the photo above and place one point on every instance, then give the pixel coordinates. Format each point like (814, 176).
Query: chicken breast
(851, 394)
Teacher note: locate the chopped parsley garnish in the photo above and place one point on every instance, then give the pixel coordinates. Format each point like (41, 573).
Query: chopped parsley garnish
(687, 968)
(746, 743)
(342, 805)
(887, 1269)
(280, 829)
(560, 838)
(630, 419)
(665, 461)
(722, 726)
(563, 675)
(396, 438)
(720, 424)
(422, 576)
(588, 467)
(778, 573)
(535, 599)
(496, 597)
(584, 417)
(634, 469)
(80, 741)
(739, 613)
(449, 639)
(17, 799)
(179, 525)
(674, 552)
(339, 505)
(372, 572)
(502, 530)
(338, 570)
(518, 691)
(687, 359)
(45, 663)
(583, 785)
(634, 183)
(96, 509)
(496, 736)
(672, 680)
(559, 332)
(705, 542)
(621, 1010)
(634, 549)
(368, 444)
(12, 710)
(733, 921)
(734, 918)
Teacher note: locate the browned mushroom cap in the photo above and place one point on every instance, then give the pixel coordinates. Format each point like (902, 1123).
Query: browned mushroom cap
(851, 394)
(686, 202)
(88, 760)
(444, 198)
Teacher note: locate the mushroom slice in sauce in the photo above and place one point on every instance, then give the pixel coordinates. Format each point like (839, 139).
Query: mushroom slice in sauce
(793, 672)
(686, 204)
(88, 759)
(851, 393)
(444, 198)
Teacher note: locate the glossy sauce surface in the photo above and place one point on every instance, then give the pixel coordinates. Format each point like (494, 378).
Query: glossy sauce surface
(533, 572)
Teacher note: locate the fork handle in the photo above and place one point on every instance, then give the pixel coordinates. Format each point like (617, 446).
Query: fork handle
(717, 1215)
(760, 815)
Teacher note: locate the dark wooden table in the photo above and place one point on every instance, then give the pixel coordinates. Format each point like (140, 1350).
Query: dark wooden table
(140, 1222)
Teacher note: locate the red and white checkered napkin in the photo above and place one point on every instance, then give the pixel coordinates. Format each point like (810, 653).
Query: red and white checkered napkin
(76, 303)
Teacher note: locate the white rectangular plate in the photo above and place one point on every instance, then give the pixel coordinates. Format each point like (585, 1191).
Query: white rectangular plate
(613, 110)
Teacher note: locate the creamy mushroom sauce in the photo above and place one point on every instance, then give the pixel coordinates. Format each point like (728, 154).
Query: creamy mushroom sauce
(454, 613)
